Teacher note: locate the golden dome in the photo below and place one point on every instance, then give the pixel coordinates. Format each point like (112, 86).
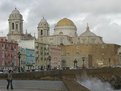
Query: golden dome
(65, 22)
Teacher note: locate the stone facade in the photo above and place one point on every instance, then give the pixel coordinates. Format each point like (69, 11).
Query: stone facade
(65, 33)
(95, 55)
(87, 49)
(16, 27)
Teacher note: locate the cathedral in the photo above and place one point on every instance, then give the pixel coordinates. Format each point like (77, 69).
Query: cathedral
(84, 50)
(65, 33)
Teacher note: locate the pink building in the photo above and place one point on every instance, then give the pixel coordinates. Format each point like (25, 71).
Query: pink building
(8, 53)
(55, 54)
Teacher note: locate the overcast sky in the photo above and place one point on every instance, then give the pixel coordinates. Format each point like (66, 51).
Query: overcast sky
(103, 16)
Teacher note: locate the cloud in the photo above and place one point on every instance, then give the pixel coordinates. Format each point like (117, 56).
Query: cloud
(103, 16)
(110, 32)
(105, 26)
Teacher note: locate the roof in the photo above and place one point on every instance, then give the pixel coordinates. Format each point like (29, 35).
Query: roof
(43, 23)
(88, 32)
(15, 11)
(65, 22)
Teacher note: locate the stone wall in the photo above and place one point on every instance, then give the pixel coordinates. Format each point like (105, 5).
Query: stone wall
(96, 55)
(102, 73)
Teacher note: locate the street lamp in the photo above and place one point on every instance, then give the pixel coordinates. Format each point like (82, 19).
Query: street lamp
(49, 65)
(83, 59)
(75, 63)
(109, 62)
(19, 57)
(63, 64)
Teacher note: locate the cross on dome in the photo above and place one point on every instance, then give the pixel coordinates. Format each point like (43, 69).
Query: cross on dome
(15, 11)
(87, 29)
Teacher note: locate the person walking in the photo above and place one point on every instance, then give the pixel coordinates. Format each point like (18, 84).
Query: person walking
(9, 79)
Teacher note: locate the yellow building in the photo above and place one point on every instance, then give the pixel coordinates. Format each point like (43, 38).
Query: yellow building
(92, 55)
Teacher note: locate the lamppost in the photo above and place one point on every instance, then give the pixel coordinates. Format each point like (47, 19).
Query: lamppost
(83, 59)
(63, 64)
(109, 62)
(49, 65)
(19, 57)
(75, 63)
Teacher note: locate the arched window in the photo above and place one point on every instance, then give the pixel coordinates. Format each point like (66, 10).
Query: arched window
(12, 25)
(75, 63)
(41, 32)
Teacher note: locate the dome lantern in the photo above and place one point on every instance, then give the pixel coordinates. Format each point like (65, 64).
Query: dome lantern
(15, 22)
(88, 32)
(15, 11)
(87, 28)
(43, 23)
(15, 14)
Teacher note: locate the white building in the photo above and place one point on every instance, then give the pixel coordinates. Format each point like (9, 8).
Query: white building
(30, 44)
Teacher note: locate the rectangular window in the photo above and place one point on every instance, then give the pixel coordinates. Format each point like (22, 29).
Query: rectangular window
(41, 32)
(16, 26)
(12, 25)
(3, 55)
(20, 26)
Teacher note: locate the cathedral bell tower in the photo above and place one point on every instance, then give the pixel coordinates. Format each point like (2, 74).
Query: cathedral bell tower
(15, 25)
(43, 28)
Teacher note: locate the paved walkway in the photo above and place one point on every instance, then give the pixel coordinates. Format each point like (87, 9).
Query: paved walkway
(33, 85)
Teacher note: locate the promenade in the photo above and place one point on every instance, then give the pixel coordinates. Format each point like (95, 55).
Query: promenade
(33, 85)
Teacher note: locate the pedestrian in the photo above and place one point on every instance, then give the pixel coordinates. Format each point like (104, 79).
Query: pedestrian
(9, 79)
